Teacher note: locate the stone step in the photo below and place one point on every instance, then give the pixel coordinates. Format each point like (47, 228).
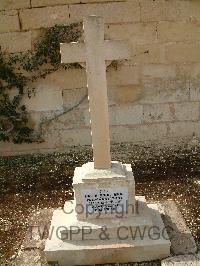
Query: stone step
(109, 251)
(90, 252)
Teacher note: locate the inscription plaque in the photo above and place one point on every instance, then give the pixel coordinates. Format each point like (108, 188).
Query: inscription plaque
(105, 200)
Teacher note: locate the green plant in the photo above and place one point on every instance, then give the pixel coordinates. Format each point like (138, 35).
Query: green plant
(15, 73)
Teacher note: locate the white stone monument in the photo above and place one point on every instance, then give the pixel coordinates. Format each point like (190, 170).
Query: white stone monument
(106, 222)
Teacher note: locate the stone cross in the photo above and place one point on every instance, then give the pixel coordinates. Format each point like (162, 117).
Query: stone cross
(95, 51)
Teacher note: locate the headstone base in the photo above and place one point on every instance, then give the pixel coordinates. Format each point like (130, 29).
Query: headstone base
(104, 191)
(97, 241)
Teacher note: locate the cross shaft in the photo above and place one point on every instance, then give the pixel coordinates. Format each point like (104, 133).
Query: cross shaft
(95, 51)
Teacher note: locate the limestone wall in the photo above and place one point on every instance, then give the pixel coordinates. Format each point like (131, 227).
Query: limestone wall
(153, 97)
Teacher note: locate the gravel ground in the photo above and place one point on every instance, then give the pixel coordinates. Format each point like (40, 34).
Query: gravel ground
(32, 182)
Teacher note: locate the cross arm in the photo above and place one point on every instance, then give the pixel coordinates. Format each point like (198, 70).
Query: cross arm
(72, 52)
(117, 50)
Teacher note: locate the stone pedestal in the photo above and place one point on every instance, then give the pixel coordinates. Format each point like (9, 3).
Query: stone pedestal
(102, 193)
(106, 223)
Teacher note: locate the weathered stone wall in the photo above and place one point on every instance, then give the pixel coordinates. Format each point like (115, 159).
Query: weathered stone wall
(153, 97)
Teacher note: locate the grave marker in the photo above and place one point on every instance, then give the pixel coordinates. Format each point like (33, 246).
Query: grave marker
(91, 229)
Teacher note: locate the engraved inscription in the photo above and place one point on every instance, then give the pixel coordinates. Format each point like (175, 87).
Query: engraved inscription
(105, 200)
